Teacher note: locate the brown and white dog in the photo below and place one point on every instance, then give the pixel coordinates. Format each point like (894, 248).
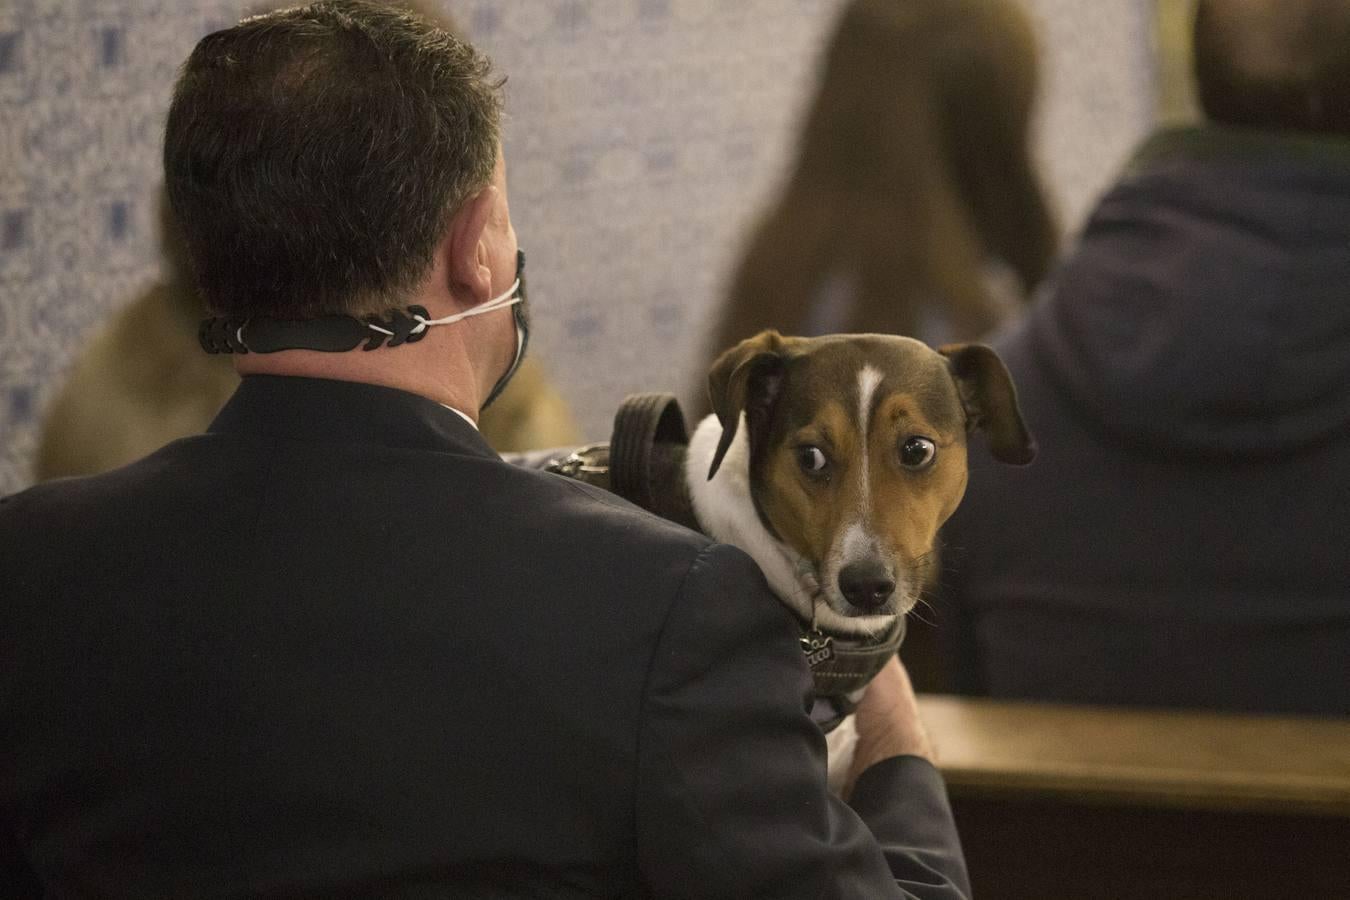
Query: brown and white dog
(833, 461)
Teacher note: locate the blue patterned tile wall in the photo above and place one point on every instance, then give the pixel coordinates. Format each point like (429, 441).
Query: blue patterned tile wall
(642, 137)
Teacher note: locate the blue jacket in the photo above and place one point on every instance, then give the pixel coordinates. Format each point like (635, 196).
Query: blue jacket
(1182, 538)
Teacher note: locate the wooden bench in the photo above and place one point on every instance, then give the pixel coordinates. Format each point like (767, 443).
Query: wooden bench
(1060, 801)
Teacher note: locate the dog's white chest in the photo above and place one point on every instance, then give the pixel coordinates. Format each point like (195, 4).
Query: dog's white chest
(726, 512)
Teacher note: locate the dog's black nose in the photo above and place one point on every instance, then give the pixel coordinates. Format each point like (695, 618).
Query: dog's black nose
(866, 584)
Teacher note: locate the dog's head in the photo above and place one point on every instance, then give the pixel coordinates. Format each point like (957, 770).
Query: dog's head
(857, 454)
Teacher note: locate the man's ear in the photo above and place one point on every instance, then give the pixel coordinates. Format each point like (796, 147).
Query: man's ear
(990, 401)
(468, 257)
(748, 378)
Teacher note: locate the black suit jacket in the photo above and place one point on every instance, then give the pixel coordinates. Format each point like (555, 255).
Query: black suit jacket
(336, 646)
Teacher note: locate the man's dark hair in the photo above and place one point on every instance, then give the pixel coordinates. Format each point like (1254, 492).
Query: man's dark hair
(1276, 64)
(315, 156)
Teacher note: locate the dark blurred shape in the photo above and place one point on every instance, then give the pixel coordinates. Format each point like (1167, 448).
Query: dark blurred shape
(1274, 65)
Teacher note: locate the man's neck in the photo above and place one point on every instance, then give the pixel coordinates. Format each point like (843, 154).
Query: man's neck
(424, 368)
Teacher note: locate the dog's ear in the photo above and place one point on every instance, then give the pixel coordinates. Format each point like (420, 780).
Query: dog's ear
(748, 378)
(990, 400)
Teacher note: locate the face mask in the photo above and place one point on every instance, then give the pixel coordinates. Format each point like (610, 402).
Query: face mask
(338, 334)
(514, 296)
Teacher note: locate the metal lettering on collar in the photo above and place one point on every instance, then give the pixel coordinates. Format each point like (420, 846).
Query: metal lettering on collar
(818, 648)
(841, 665)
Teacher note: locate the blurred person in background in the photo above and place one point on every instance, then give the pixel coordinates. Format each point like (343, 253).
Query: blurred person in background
(143, 379)
(914, 205)
(1180, 539)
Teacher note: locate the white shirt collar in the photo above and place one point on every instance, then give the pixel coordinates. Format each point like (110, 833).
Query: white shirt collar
(462, 415)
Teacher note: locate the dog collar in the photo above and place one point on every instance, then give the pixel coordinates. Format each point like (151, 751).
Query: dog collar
(844, 664)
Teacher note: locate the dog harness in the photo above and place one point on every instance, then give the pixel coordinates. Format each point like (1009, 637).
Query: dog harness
(643, 462)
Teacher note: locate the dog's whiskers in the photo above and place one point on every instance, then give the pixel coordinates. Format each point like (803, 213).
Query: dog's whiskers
(921, 600)
(922, 568)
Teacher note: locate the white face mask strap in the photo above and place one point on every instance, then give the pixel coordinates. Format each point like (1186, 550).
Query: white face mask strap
(509, 298)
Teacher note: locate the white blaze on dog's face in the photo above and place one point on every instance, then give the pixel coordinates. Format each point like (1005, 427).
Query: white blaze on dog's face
(862, 468)
(857, 455)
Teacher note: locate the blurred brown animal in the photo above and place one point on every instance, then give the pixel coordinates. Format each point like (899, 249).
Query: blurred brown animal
(914, 170)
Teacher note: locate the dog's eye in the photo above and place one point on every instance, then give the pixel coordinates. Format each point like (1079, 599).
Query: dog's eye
(917, 452)
(811, 459)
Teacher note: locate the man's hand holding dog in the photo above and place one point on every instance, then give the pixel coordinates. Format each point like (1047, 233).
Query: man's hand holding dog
(888, 721)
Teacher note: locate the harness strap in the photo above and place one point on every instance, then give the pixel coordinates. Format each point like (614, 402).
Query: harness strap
(642, 422)
(646, 457)
(828, 712)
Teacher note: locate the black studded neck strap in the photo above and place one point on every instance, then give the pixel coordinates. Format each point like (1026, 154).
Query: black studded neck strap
(328, 334)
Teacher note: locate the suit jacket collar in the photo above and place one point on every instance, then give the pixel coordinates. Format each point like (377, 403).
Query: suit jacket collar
(318, 409)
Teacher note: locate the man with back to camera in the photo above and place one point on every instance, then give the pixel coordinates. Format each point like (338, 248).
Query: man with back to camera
(336, 645)
(1179, 540)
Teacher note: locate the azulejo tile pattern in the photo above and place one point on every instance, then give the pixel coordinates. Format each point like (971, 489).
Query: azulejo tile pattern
(643, 136)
